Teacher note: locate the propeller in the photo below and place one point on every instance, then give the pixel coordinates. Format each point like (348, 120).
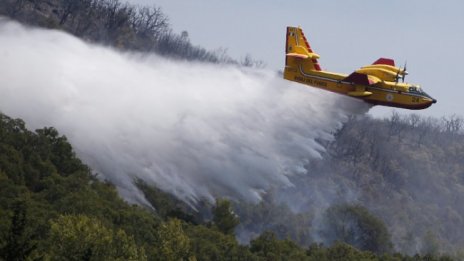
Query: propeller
(404, 73)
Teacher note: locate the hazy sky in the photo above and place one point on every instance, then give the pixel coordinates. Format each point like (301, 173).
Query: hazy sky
(346, 34)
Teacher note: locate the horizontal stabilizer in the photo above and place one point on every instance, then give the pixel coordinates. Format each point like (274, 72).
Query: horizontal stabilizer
(300, 52)
(358, 78)
(304, 56)
(297, 55)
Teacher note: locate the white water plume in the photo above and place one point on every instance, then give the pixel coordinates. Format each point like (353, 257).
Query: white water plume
(195, 130)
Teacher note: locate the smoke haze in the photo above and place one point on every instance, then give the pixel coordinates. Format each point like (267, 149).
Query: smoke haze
(195, 130)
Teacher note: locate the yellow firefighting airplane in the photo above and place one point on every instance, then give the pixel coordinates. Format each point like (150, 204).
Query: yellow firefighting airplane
(376, 84)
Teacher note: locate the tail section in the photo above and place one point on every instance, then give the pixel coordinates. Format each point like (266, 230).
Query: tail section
(299, 53)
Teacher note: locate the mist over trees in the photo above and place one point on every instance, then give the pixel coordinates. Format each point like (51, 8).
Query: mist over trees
(407, 170)
(406, 173)
(52, 207)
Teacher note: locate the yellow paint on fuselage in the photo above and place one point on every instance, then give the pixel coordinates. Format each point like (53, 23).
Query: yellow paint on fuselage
(300, 67)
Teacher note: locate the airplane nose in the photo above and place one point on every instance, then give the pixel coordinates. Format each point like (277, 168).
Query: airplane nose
(434, 101)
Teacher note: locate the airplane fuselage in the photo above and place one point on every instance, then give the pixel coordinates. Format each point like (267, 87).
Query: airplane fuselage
(385, 93)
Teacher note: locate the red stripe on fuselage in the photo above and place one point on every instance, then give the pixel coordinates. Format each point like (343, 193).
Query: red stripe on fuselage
(399, 105)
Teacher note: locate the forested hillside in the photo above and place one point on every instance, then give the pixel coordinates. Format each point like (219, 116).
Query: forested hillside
(53, 208)
(382, 183)
(409, 171)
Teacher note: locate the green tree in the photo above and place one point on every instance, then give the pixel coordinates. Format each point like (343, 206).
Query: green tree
(174, 244)
(353, 224)
(224, 217)
(85, 238)
(344, 252)
(210, 244)
(19, 244)
(268, 247)
(430, 244)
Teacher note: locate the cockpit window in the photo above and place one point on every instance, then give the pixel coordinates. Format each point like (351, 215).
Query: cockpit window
(418, 90)
(426, 95)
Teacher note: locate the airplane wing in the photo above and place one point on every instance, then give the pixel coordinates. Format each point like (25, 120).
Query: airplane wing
(360, 81)
(358, 78)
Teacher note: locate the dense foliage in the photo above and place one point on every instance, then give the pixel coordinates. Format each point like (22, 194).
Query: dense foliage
(53, 207)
